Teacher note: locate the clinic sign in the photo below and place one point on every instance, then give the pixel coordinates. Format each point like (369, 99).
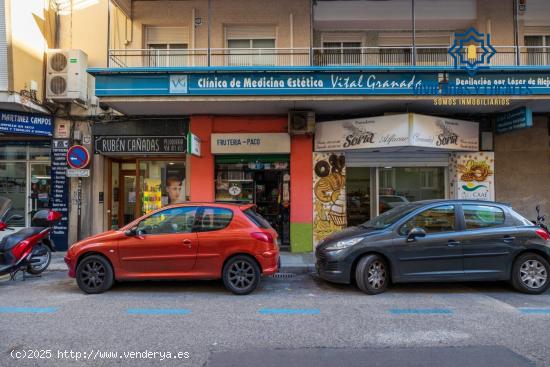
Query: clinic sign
(25, 123)
(315, 82)
(392, 131)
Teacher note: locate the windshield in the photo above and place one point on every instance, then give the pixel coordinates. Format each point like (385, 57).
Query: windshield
(5, 206)
(390, 217)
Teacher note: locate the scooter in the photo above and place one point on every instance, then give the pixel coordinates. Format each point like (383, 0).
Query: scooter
(29, 249)
(540, 220)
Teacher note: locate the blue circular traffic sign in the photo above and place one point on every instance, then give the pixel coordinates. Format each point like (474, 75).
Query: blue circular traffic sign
(78, 156)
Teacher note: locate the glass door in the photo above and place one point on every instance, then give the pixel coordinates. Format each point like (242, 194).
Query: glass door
(128, 202)
(40, 187)
(13, 186)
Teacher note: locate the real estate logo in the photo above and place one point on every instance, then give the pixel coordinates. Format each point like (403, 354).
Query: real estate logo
(472, 51)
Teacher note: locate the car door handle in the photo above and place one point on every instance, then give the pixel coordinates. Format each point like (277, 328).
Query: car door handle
(453, 243)
(187, 243)
(508, 239)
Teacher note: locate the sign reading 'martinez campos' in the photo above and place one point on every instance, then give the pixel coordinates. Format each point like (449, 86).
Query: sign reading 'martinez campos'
(397, 131)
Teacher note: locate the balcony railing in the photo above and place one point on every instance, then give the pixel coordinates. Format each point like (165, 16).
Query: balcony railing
(319, 56)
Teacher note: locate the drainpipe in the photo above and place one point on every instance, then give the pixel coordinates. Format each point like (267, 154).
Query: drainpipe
(413, 33)
(209, 29)
(311, 3)
(516, 30)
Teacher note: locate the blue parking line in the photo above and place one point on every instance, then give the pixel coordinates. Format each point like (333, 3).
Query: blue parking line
(535, 310)
(289, 311)
(28, 309)
(158, 311)
(420, 311)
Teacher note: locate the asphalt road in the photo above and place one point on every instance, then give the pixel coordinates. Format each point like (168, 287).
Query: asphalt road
(299, 321)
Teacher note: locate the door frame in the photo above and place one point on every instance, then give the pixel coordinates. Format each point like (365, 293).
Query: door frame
(138, 175)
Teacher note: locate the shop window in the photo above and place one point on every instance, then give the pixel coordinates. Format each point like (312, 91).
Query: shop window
(435, 220)
(169, 221)
(161, 183)
(13, 188)
(358, 197)
(13, 152)
(482, 216)
(214, 219)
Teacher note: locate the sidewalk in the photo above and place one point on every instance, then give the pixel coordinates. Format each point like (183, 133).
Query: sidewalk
(290, 263)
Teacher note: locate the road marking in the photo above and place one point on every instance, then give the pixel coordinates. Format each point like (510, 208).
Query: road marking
(28, 309)
(289, 311)
(420, 311)
(535, 310)
(158, 311)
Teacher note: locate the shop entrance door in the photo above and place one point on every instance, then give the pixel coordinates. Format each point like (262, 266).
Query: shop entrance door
(128, 202)
(40, 174)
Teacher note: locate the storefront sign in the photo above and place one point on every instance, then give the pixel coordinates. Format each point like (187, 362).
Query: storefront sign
(397, 131)
(250, 143)
(78, 157)
(25, 123)
(59, 192)
(520, 118)
(472, 176)
(140, 144)
(193, 144)
(439, 81)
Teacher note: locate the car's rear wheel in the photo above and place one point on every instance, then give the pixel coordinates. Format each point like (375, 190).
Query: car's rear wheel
(530, 274)
(241, 275)
(94, 274)
(372, 274)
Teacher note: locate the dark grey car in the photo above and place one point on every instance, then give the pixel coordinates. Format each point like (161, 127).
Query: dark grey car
(439, 240)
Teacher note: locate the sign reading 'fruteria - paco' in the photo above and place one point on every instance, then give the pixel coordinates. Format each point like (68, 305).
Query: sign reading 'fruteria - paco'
(397, 131)
(250, 143)
(140, 144)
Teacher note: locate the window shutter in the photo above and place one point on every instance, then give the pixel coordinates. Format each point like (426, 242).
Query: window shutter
(235, 32)
(3, 49)
(162, 35)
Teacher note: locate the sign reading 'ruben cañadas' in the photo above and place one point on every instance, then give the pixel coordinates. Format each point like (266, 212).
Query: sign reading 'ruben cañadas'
(140, 144)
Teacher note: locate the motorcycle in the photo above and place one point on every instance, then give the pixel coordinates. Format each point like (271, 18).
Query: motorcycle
(28, 249)
(540, 220)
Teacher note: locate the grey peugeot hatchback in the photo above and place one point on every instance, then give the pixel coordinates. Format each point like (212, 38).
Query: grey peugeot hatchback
(439, 240)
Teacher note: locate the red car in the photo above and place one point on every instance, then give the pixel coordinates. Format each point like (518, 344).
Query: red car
(184, 241)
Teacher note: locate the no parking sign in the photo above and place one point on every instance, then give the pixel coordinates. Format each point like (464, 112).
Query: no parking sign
(78, 157)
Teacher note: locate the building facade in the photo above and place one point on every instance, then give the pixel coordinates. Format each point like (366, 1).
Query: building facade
(324, 114)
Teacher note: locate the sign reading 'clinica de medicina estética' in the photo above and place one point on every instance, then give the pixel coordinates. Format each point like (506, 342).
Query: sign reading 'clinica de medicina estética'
(393, 131)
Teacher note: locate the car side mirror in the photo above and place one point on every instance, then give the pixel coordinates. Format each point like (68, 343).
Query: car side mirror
(131, 232)
(414, 233)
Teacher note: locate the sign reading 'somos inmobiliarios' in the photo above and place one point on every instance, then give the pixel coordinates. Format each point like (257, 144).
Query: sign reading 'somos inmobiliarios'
(397, 131)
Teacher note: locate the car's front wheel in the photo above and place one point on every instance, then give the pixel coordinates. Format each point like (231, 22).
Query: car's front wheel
(94, 274)
(241, 275)
(530, 274)
(372, 274)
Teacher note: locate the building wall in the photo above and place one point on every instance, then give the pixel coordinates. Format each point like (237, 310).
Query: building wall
(224, 12)
(522, 168)
(301, 168)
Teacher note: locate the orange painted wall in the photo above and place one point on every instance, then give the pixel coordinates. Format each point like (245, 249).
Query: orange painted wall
(301, 170)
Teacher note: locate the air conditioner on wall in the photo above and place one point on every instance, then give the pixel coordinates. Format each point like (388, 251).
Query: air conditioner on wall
(301, 122)
(66, 79)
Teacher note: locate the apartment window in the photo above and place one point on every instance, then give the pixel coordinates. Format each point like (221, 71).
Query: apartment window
(342, 53)
(167, 46)
(537, 50)
(251, 46)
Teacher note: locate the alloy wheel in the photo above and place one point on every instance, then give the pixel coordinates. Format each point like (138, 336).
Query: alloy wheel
(533, 274)
(377, 275)
(93, 274)
(241, 275)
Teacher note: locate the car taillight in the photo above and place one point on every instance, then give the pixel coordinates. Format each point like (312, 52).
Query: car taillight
(543, 234)
(262, 236)
(19, 250)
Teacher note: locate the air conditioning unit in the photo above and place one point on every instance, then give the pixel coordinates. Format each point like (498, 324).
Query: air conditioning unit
(301, 122)
(66, 79)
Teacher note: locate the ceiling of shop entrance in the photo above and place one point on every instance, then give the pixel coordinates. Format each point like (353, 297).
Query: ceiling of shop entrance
(322, 106)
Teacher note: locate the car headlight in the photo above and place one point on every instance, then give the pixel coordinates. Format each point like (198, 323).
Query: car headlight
(344, 244)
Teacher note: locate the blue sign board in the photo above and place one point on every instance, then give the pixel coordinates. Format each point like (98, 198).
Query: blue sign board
(26, 123)
(520, 118)
(426, 83)
(60, 192)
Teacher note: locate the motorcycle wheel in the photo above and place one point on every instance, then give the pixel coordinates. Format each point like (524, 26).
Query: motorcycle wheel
(45, 259)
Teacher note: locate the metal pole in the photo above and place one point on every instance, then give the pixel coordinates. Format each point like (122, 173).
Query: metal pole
(413, 33)
(209, 29)
(311, 4)
(516, 30)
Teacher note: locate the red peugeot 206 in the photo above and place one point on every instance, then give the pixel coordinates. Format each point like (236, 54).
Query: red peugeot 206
(184, 241)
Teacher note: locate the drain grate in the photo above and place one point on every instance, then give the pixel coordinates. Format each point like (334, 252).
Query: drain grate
(283, 275)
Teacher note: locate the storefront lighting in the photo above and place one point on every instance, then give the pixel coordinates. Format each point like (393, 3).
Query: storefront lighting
(171, 163)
